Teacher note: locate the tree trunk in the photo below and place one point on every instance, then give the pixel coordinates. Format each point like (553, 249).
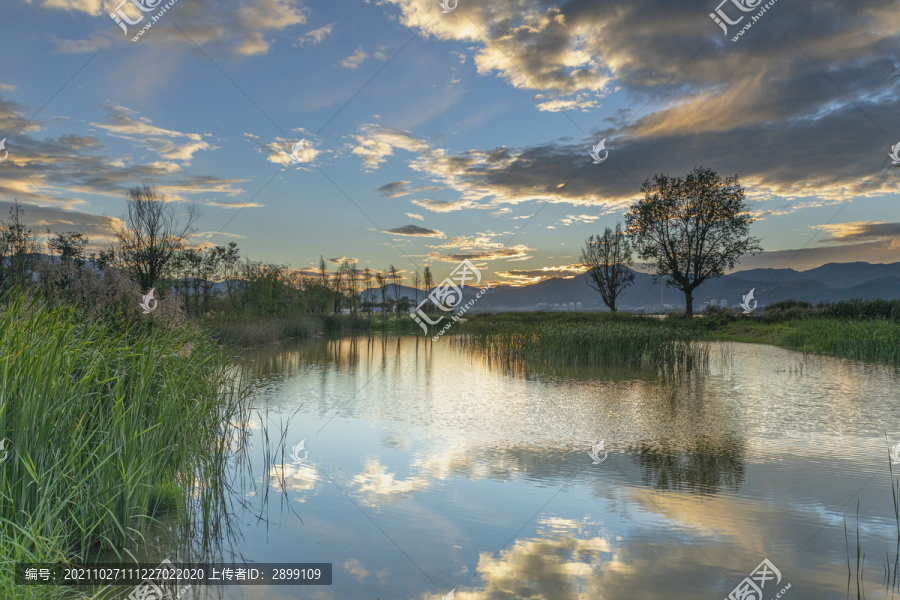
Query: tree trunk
(689, 304)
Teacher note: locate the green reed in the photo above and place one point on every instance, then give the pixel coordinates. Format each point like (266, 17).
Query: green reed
(106, 423)
(870, 340)
(608, 341)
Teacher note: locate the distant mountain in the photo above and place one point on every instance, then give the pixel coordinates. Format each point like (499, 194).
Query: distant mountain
(829, 283)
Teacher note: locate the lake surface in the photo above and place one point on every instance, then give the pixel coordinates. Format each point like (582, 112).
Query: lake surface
(426, 468)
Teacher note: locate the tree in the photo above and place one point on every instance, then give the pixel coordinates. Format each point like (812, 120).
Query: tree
(428, 280)
(607, 259)
(395, 279)
(229, 266)
(367, 281)
(382, 282)
(149, 234)
(690, 230)
(69, 247)
(18, 249)
(417, 281)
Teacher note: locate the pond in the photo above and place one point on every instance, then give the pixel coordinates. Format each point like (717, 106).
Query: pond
(425, 468)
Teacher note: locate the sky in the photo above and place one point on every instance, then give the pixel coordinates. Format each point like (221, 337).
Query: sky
(425, 134)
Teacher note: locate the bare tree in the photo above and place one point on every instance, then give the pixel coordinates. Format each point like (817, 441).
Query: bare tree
(18, 248)
(607, 258)
(150, 233)
(428, 280)
(353, 278)
(417, 281)
(395, 279)
(367, 281)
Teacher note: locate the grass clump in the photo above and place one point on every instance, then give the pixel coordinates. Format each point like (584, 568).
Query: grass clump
(106, 424)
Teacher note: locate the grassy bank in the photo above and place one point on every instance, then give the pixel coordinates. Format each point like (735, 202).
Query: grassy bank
(596, 339)
(105, 424)
(868, 331)
(253, 331)
(872, 340)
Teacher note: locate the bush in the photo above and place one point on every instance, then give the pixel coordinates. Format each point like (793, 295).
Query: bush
(788, 310)
(863, 309)
(714, 317)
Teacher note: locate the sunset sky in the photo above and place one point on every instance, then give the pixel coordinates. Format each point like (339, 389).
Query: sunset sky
(434, 136)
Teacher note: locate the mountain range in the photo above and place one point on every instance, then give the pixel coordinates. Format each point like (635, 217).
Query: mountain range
(829, 283)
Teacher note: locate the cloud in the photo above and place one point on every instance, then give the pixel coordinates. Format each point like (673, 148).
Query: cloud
(482, 241)
(395, 189)
(415, 230)
(47, 216)
(570, 219)
(375, 143)
(531, 276)
(443, 206)
(855, 232)
(415, 216)
(167, 143)
(316, 35)
(355, 59)
(711, 107)
(60, 171)
(236, 204)
(242, 30)
(281, 151)
(518, 252)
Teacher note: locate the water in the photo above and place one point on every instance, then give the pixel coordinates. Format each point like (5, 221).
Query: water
(430, 469)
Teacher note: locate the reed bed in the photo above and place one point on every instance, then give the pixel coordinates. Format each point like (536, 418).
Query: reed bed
(876, 340)
(105, 425)
(614, 341)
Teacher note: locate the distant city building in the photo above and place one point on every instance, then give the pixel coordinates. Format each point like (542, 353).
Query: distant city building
(724, 304)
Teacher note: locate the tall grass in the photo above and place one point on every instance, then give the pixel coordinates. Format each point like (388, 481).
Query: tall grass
(607, 340)
(870, 339)
(106, 424)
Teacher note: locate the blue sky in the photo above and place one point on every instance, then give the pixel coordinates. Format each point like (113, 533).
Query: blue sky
(439, 136)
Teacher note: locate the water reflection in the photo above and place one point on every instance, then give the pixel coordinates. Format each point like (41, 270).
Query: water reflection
(430, 468)
(704, 467)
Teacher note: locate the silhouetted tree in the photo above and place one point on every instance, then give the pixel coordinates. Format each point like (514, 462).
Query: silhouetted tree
(149, 234)
(691, 229)
(607, 258)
